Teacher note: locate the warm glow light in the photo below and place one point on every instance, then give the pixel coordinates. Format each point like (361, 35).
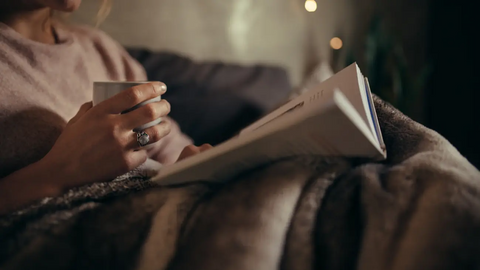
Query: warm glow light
(311, 5)
(336, 43)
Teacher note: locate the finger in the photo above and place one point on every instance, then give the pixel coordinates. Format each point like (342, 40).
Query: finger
(189, 151)
(134, 159)
(145, 114)
(205, 147)
(132, 97)
(83, 109)
(154, 133)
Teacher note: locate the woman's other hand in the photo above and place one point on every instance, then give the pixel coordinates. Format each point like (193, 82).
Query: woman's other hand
(192, 150)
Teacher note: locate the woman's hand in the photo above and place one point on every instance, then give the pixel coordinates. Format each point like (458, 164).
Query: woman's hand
(99, 144)
(192, 150)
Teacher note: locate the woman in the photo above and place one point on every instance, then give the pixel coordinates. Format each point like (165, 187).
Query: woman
(47, 70)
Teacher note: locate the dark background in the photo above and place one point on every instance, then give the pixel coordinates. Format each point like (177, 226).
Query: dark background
(443, 36)
(452, 94)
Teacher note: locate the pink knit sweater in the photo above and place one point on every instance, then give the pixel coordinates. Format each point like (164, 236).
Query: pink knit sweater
(42, 87)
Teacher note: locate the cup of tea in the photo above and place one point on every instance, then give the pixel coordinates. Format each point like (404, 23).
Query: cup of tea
(107, 89)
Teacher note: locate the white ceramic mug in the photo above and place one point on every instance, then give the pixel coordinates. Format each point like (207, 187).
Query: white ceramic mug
(106, 90)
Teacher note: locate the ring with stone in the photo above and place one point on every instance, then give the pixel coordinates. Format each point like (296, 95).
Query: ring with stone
(142, 138)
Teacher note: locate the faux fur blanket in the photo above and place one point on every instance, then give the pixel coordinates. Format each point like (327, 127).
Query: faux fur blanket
(420, 209)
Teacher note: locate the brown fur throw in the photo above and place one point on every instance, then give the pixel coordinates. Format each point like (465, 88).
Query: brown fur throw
(420, 209)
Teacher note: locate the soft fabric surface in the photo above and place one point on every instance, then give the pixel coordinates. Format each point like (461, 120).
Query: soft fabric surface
(420, 209)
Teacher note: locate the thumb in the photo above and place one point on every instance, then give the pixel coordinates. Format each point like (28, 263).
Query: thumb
(83, 109)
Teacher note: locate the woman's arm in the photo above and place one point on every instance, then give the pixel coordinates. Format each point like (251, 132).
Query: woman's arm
(28, 185)
(93, 136)
(44, 179)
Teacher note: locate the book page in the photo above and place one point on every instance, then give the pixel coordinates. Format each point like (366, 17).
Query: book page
(374, 117)
(348, 81)
(334, 129)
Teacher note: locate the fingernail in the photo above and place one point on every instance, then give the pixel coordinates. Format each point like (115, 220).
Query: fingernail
(164, 88)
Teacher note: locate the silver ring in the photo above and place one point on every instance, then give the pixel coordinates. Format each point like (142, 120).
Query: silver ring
(142, 138)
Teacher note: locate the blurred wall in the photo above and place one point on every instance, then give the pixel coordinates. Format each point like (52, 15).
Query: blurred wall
(279, 32)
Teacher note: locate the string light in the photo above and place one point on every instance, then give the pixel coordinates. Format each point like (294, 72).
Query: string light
(311, 5)
(336, 43)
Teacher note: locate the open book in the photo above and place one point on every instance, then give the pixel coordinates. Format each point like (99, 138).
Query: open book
(335, 118)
